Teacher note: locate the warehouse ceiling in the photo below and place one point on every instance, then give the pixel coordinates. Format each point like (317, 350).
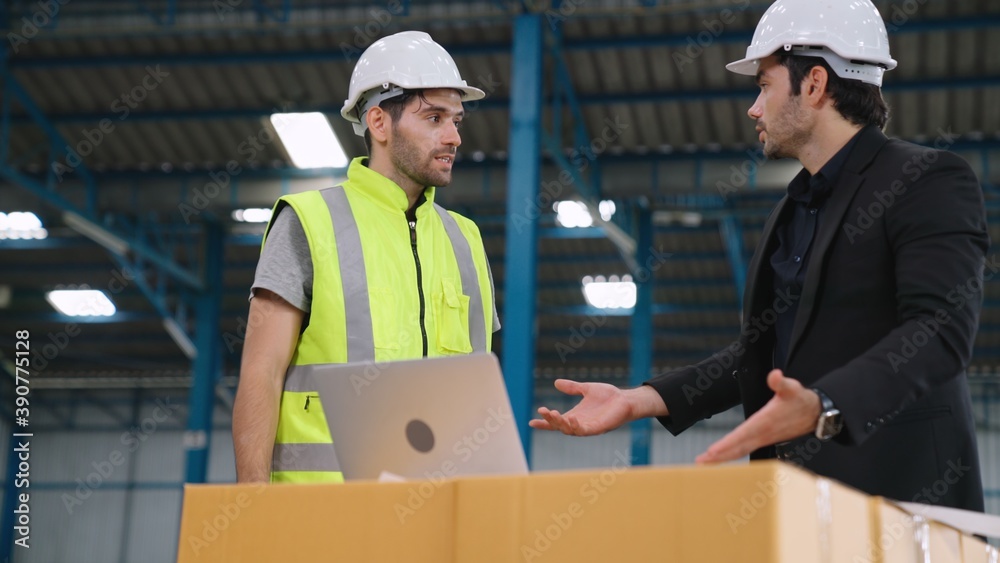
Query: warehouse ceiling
(162, 110)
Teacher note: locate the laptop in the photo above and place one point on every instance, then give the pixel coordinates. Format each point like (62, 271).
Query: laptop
(422, 419)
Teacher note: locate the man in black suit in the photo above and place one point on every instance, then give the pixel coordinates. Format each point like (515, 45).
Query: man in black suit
(863, 296)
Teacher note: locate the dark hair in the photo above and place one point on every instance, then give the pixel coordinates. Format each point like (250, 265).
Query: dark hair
(394, 107)
(859, 102)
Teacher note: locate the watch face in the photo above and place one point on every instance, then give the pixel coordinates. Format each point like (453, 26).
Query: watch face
(830, 424)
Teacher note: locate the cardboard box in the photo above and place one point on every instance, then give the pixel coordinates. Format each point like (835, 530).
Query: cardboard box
(907, 534)
(976, 551)
(412, 522)
(894, 537)
(767, 512)
(945, 544)
(759, 513)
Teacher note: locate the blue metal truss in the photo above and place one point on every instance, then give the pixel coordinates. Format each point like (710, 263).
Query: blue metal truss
(732, 239)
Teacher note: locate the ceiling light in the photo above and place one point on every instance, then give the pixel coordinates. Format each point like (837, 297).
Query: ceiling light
(81, 302)
(572, 214)
(252, 215)
(607, 209)
(309, 140)
(610, 293)
(21, 225)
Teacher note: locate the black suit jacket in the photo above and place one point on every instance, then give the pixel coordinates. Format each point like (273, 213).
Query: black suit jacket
(885, 326)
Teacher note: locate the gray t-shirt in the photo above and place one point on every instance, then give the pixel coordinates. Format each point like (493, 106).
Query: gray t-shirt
(285, 265)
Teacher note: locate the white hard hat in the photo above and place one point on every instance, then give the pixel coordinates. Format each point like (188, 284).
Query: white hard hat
(409, 60)
(849, 34)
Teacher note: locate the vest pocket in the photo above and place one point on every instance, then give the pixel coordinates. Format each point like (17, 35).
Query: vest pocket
(451, 308)
(385, 321)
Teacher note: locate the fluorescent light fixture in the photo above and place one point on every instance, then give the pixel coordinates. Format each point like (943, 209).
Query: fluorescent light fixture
(309, 140)
(252, 215)
(81, 302)
(691, 219)
(96, 233)
(21, 225)
(571, 214)
(609, 293)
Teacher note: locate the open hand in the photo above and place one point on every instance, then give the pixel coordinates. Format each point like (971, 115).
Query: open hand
(792, 412)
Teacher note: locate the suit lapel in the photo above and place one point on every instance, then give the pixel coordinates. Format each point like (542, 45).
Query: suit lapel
(851, 178)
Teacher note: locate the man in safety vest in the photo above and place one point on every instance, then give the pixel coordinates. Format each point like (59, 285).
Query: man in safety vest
(372, 270)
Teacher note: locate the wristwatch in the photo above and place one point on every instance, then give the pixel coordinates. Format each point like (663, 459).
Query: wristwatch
(830, 422)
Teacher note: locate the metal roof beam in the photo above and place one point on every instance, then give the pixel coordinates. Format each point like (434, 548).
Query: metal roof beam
(656, 97)
(338, 54)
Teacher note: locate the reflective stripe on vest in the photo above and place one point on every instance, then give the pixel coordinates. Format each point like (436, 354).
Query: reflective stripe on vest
(321, 457)
(305, 457)
(357, 308)
(470, 279)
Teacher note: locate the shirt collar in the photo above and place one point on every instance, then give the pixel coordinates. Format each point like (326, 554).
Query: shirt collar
(382, 190)
(813, 189)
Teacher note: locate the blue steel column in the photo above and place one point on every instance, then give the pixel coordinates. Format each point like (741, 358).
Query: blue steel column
(641, 354)
(732, 238)
(523, 209)
(206, 363)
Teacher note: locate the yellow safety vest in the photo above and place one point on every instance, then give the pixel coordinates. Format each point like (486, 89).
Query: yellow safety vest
(367, 304)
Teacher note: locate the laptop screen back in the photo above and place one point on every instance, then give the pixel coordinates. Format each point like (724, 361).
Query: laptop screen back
(421, 419)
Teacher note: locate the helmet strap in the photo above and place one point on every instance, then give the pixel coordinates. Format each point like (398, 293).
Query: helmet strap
(372, 98)
(848, 70)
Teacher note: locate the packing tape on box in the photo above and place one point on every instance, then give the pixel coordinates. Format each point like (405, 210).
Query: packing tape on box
(922, 537)
(991, 552)
(824, 512)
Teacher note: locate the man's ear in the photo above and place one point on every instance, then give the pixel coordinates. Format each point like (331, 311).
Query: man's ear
(379, 122)
(815, 83)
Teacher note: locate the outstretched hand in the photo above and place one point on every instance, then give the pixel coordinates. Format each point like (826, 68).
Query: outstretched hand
(792, 412)
(603, 408)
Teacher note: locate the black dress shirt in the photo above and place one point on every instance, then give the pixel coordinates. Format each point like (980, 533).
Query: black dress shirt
(795, 231)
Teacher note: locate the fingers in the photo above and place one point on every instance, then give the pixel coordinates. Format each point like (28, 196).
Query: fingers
(732, 446)
(776, 380)
(569, 386)
(539, 424)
